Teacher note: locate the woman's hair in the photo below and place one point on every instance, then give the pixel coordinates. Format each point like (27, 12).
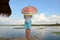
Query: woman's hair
(5, 9)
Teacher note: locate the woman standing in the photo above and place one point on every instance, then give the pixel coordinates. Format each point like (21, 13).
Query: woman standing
(27, 25)
(28, 11)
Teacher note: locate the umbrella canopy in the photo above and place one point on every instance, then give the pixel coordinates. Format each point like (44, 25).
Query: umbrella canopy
(29, 10)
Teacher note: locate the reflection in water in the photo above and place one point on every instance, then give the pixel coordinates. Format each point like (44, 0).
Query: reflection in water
(6, 31)
(50, 36)
(10, 32)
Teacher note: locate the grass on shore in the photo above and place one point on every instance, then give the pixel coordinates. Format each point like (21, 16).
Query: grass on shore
(57, 33)
(18, 28)
(40, 28)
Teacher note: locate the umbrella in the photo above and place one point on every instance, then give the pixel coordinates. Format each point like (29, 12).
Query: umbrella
(29, 10)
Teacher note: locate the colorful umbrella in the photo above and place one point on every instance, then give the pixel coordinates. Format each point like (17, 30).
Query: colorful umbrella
(29, 10)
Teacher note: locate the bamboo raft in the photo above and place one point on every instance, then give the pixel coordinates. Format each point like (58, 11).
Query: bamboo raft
(21, 38)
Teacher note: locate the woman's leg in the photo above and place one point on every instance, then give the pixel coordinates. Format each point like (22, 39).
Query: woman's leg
(28, 34)
(29, 24)
(27, 27)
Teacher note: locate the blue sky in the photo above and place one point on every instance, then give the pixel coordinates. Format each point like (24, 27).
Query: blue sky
(44, 6)
(48, 12)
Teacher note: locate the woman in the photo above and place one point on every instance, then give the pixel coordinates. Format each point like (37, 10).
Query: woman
(27, 21)
(27, 25)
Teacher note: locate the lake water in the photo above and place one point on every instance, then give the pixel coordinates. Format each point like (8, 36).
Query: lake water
(9, 31)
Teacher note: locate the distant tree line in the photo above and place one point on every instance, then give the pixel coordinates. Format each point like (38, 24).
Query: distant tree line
(32, 24)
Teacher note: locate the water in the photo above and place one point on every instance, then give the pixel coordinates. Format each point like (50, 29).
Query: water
(9, 31)
(50, 36)
(6, 31)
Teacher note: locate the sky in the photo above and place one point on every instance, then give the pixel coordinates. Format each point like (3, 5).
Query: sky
(48, 11)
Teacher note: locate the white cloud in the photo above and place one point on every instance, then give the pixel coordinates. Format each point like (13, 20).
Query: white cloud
(37, 19)
(6, 20)
(43, 19)
(54, 18)
(40, 17)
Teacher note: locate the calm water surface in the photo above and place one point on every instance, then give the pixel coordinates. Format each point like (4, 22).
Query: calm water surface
(8, 31)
